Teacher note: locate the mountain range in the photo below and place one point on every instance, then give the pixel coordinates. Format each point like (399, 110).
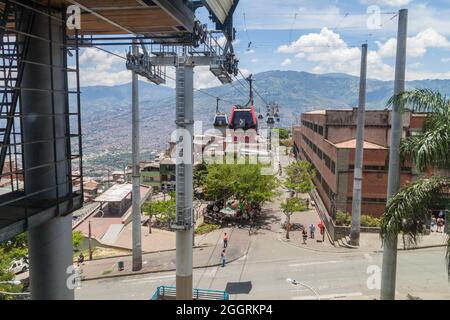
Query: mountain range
(106, 110)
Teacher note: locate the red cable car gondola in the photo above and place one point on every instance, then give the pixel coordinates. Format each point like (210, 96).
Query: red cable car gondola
(243, 118)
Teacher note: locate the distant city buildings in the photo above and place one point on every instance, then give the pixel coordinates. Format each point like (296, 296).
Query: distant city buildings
(327, 139)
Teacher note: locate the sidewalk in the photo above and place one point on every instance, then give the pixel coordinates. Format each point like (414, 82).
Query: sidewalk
(203, 257)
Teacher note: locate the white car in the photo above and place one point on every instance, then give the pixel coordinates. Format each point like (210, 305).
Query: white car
(19, 266)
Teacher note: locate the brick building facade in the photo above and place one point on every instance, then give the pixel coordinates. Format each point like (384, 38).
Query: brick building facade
(327, 139)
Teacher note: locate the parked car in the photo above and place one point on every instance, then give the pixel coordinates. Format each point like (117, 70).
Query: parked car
(19, 266)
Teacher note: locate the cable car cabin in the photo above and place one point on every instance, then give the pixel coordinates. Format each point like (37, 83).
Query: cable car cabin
(220, 121)
(243, 118)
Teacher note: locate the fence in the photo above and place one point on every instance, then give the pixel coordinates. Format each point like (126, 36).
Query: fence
(170, 293)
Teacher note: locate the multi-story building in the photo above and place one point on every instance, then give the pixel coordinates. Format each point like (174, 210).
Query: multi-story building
(327, 139)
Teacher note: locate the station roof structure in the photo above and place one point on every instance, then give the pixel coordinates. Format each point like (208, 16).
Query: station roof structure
(158, 18)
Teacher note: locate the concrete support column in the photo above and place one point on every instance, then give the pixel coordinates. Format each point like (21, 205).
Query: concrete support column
(184, 183)
(136, 189)
(45, 154)
(359, 152)
(389, 268)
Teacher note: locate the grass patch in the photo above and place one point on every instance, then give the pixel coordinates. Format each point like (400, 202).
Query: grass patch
(206, 228)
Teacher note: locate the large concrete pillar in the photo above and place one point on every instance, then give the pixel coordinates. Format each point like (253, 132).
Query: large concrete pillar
(184, 183)
(136, 179)
(45, 152)
(389, 268)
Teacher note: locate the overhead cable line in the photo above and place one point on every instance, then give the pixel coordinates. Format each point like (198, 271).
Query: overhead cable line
(167, 76)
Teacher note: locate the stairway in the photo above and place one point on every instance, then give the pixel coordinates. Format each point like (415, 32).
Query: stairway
(12, 55)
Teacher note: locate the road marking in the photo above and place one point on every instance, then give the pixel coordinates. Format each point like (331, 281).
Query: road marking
(242, 258)
(315, 263)
(148, 279)
(213, 272)
(329, 296)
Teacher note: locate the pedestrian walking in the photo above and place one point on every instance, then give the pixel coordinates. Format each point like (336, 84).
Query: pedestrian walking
(223, 258)
(80, 258)
(305, 235)
(225, 240)
(440, 224)
(312, 229)
(433, 224)
(307, 204)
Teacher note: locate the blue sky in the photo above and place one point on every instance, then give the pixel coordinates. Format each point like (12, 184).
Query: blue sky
(323, 36)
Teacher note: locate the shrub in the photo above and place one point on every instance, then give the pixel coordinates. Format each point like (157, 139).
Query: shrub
(369, 221)
(343, 218)
(206, 228)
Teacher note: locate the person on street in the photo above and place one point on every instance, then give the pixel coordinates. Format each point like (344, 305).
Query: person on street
(223, 258)
(440, 224)
(80, 258)
(433, 224)
(307, 204)
(225, 240)
(305, 235)
(312, 229)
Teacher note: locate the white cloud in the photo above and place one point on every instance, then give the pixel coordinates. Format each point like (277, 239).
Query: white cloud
(331, 53)
(203, 78)
(445, 60)
(390, 3)
(254, 60)
(101, 68)
(286, 62)
(417, 45)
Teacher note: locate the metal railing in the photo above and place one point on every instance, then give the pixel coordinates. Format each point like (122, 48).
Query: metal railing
(170, 292)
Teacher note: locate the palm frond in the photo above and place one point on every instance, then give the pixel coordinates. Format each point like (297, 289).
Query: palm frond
(429, 149)
(421, 100)
(407, 211)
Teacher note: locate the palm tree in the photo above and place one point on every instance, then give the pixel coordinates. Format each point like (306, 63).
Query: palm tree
(408, 210)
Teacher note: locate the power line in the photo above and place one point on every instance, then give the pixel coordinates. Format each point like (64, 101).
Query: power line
(254, 89)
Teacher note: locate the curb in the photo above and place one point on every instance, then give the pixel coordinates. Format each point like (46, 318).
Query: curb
(354, 249)
(145, 252)
(157, 271)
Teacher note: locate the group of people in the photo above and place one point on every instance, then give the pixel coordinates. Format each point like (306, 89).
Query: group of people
(223, 257)
(437, 224)
(312, 231)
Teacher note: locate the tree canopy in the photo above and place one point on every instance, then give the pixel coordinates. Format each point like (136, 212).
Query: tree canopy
(300, 175)
(244, 182)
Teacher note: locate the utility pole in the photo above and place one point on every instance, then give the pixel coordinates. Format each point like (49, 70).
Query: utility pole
(250, 82)
(135, 193)
(389, 269)
(90, 241)
(359, 155)
(217, 105)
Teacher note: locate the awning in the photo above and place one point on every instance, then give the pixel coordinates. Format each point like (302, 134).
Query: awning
(220, 8)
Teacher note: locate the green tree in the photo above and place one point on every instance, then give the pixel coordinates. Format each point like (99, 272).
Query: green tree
(300, 175)
(283, 133)
(10, 250)
(289, 207)
(77, 239)
(162, 210)
(244, 182)
(408, 210)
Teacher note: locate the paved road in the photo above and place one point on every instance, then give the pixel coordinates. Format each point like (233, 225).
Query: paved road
(270, 263)
(263, 272)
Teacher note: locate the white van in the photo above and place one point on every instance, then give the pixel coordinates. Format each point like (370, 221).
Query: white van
(19, 266)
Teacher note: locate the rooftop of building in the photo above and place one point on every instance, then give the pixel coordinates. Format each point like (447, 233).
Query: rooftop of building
(351, 144)
(116, 193)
